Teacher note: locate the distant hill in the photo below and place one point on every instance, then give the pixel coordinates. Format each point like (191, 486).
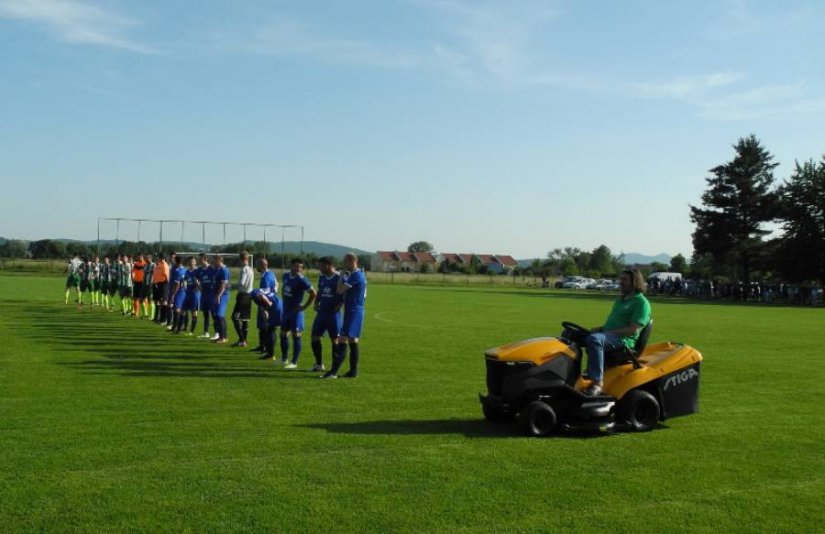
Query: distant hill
(634, 258)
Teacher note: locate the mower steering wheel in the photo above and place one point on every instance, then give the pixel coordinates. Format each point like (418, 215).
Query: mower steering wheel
(575, 329)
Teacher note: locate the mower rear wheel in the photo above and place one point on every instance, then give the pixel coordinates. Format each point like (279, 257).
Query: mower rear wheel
(538, 419)
(495, 415)
(639, 409)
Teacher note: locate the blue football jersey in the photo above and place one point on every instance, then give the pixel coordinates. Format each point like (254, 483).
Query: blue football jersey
(191, 280)
(221, 276)
(294, 287)
(328, 298)
(269, 281)
(356, 294)
(207, 279)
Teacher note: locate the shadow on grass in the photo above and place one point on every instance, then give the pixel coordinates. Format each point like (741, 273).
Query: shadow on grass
(136, 351)
(470, 428)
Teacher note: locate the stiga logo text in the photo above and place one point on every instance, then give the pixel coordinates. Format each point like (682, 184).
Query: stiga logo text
(681, 378)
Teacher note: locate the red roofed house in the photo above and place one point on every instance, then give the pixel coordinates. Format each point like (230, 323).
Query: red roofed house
(494, 263)
(395, 261)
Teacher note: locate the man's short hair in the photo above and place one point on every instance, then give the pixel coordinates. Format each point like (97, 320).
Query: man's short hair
(244, 255)
(637, 279)
(296, 260)
(326, 260)
(351, 256)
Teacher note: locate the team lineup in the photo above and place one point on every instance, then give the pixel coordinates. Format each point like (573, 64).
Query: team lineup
(177, 292)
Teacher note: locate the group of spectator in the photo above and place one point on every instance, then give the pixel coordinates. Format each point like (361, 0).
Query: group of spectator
(764, 292)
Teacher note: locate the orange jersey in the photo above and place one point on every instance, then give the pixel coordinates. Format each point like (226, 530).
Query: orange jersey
(161, 273)
(137, 271)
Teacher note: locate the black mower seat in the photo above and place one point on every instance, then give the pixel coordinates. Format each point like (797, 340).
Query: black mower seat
(628, 355)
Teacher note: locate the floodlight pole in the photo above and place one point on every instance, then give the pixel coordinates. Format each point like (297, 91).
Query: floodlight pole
(203, 235)
(182, 226)
(98, 236)
(302, 241)
(283, 254)
(117, 232)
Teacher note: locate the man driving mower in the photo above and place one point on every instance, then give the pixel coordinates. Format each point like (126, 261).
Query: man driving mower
(630, 314)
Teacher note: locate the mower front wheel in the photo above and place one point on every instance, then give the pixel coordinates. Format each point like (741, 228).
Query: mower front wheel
(538, 419)
(638, 409)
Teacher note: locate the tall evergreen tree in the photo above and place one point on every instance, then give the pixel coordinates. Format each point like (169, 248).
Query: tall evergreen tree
(739, 199)
(801, 251)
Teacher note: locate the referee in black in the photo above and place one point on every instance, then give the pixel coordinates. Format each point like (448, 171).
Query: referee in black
(243, 301)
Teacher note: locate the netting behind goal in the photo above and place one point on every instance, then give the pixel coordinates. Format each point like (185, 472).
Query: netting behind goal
(231, 259)
(137, 236)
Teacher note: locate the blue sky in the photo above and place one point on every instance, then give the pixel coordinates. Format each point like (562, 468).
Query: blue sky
(506, 127)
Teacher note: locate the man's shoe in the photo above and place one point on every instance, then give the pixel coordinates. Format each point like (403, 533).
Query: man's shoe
(266, 357)
(317, 367)
(350, 374)
(328, 375)
(216, 337)
(257, 349)
(278, 362)
(594, 390)
(291, 365)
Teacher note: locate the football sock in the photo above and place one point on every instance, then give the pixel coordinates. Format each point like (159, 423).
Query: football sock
(244, 330)
(206, 323)
(297, 345)
(354, 353)
(339, 354)
(194, 323)
(284, 348)
(136, 307)
(317, 351)
(237, 324)
(67, 296)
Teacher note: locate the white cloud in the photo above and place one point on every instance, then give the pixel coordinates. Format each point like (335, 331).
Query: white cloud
(494, 41)
(686, 87)
(716, 96)
(75, 21)
(286, 37)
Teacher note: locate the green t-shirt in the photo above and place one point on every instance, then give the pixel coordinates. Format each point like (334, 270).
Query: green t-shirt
(632, 309)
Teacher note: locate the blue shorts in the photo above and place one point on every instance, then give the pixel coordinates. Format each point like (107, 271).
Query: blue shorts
(353, 322)
(219, 308)
(206, 301)
(327, 322)
(292, 321)
(192, 302)
(273, 316)
(180, 298)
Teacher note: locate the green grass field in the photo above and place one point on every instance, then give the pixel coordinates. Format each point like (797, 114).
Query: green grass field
(110, 424)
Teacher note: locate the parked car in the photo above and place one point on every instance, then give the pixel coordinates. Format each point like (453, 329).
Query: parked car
(612, 285)
(581, 283)
(566, 279)
(597, 284)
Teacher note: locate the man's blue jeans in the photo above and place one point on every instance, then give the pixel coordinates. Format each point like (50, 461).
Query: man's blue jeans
(597, 345)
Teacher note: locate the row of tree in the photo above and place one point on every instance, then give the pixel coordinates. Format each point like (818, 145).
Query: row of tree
(53, 249)
(751, 227)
